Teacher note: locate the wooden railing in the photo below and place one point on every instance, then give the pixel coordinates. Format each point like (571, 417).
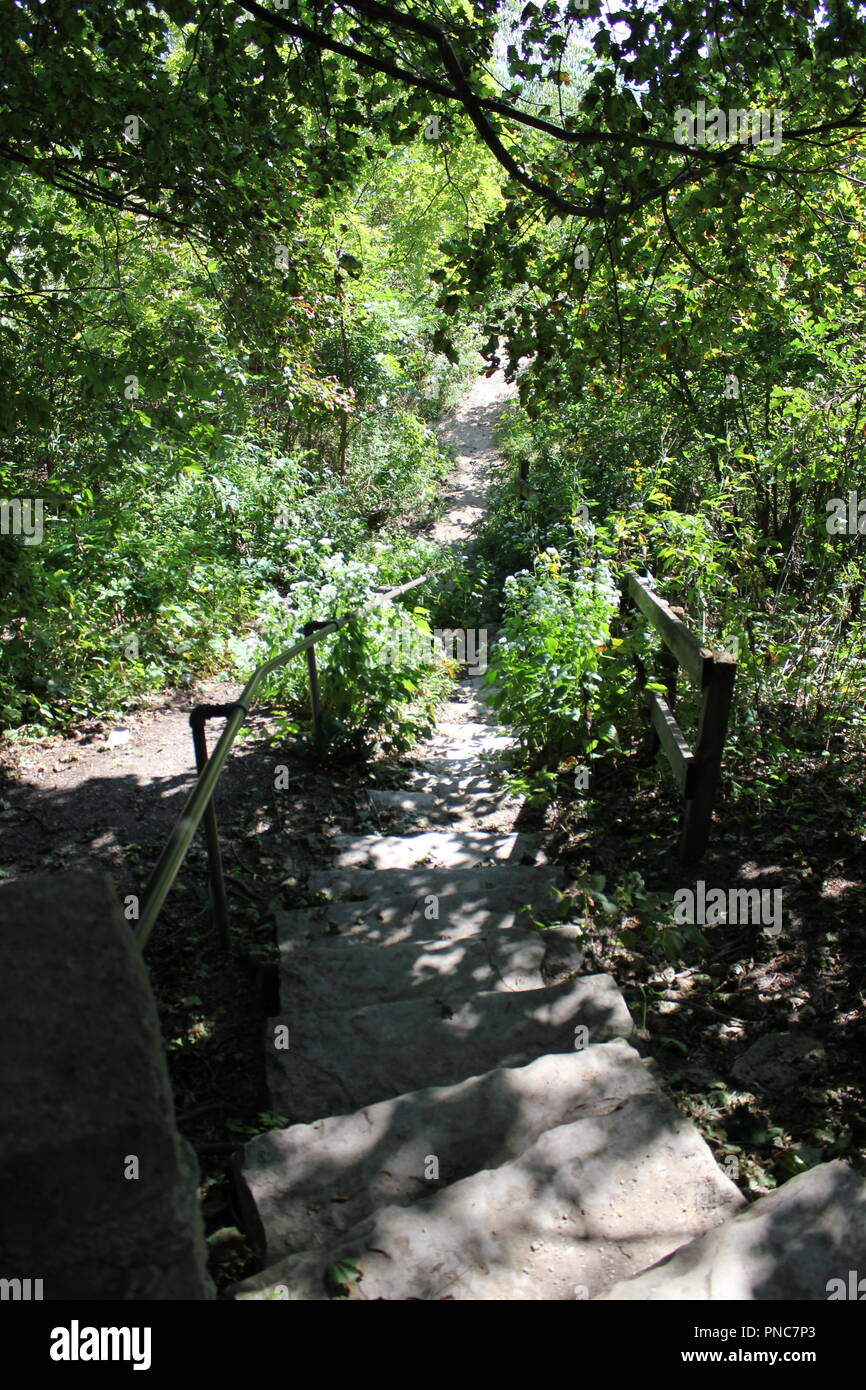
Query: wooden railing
(697, 773)
(199, 805)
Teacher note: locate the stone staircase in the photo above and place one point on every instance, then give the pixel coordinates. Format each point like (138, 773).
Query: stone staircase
(469, 1117)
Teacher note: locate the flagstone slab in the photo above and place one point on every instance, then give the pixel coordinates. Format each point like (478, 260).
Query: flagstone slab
(327, 1062)
(347, 976)
(304, 1187)
(445, 849)
(586, 1203)
(803, 1241)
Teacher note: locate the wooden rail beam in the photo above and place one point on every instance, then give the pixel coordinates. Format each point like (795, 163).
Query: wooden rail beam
(696, 659)
(681, 758)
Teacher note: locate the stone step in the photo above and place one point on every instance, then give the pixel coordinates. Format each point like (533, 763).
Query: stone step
(491, 812)
(337, 976)
(447, 780)
(472, 736)
(389, 799)
(588, 1202)
(482, 755)
(290, 1180)
(446, 757)
(466, 711)
(461, 762)
(511, 884)
(337, 1061)
(441, 849)
(405, 917)
(803, 1241)
(455, 719)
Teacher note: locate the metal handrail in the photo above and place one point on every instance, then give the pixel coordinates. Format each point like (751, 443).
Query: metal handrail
(174, 851)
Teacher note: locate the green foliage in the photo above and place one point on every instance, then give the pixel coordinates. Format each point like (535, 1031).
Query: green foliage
(266, 1120)
(665, 500)
(379, 676)
(340, 1276)
(219, 341)
(637, 918)
(547, 666)
(396, 465)
(196, 419)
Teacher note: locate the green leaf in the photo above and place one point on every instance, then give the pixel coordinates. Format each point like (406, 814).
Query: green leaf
(340, 1276)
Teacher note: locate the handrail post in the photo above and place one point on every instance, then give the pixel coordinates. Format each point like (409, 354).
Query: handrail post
(715, 709)
(522, 480)
(315, 701)
(219, 905)
(714, 673)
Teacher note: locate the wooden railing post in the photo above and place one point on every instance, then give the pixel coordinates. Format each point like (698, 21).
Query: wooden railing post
(523, 481)
(713, 726)
(315, 701)
(698, 774)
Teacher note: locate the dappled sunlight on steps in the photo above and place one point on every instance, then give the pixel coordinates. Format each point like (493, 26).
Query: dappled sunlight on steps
(469, 1120)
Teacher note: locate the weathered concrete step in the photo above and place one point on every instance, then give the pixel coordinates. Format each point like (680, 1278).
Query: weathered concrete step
(481, 755)
(387, 799)
(470, 721)
(472, 735)
(337, 1061)
(337, 976)
(389, 919)
(469, 711)
(446, 779)
(476, 687)
(492, 812)
(588, 1202)
(289, 1179)
(441, 849)
(505, 882)
(456, 760)
(803, 1241)
(440, 818)
(459, 762)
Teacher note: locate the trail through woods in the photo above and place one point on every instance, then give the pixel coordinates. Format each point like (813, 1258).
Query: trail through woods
(67, 802)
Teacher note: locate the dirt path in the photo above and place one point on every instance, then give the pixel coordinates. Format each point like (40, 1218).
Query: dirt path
(67, 802)
(470, 432)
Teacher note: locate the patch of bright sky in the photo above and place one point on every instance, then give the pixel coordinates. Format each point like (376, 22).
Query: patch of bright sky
(580, 55)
